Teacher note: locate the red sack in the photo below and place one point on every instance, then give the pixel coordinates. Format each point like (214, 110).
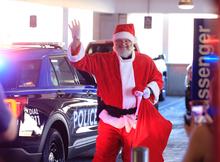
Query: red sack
(152, 131)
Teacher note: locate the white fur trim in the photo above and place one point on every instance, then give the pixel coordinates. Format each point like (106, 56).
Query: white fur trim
(156, 90)
(77, 57)
(128, 82)
(146, 93)
(124, 35)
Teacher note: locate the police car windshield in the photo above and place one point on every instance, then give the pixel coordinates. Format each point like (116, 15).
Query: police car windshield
(22, 74)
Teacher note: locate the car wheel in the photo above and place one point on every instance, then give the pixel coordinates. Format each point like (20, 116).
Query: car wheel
(163, 91)
(162, 96)
(54, 148)
(156, 105)
(188, 100)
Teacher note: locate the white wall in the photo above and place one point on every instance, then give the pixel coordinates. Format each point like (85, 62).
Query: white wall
(150, 41)
(15, 18)
(85, 18)
(52, 23)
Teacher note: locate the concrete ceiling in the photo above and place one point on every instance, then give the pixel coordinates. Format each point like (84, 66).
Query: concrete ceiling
(132, 6)
(164, 6)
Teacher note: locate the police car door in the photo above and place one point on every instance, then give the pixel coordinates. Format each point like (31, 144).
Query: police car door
(79, 103)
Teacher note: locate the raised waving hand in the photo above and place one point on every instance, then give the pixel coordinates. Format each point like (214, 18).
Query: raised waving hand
(75, 30)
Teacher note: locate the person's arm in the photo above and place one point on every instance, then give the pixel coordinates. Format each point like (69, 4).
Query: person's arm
(200, 135)
(154, 86)
(152, 90)
(8, 125)
(200, 145)
(11, 132)
(76, 51)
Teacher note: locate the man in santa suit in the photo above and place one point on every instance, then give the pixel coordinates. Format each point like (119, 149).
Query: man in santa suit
(121, 76)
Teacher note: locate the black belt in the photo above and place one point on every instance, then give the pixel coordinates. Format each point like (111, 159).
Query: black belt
(115, 111)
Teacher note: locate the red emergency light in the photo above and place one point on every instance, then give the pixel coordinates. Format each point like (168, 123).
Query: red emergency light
(16, 105)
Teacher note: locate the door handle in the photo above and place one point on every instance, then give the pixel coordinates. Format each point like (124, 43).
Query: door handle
(60, 93)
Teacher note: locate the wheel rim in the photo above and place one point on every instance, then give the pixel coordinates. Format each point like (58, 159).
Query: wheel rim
(55, 152)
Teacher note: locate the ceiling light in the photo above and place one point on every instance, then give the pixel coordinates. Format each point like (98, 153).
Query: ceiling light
(185, 4)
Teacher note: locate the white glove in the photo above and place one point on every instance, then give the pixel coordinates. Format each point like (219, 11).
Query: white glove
(138, 93)
(146, 93)
(75, 30)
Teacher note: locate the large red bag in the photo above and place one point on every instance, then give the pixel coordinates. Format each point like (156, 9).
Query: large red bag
(152, 131)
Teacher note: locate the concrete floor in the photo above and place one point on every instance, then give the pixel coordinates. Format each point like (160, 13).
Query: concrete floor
(173, 109)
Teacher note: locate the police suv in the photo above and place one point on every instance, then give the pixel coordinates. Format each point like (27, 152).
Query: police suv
(54, 103)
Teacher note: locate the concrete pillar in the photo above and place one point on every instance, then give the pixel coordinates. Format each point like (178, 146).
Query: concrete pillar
(65, 27)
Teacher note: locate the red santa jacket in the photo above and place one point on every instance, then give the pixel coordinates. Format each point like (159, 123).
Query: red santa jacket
(108, 73)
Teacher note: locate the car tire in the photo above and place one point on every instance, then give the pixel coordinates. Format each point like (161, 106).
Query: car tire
(156, 105)
(54, 147)
(162, 96)
(188, 100)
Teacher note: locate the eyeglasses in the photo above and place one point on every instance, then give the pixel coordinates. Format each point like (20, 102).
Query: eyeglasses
(122, 42)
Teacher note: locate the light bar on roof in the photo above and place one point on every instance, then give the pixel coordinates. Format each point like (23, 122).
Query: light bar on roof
(55, 44)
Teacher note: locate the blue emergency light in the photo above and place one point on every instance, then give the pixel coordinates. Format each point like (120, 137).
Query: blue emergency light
(3, 63)
(211, 58)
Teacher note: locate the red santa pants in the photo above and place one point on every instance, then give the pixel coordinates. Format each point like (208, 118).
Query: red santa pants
(109, 142)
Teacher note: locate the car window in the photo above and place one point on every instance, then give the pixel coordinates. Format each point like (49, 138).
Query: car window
(99, 48)
(85, 78)
(62, 73)
(20, 74)
(53, 77)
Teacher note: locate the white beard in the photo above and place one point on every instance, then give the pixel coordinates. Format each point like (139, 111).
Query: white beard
(124, 52)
